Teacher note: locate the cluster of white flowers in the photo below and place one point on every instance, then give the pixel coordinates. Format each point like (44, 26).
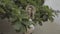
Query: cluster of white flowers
(31, 29)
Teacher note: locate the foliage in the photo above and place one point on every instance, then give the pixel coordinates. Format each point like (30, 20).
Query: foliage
(15, 9)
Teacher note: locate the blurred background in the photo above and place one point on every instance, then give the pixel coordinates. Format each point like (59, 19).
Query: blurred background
(47, 28)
